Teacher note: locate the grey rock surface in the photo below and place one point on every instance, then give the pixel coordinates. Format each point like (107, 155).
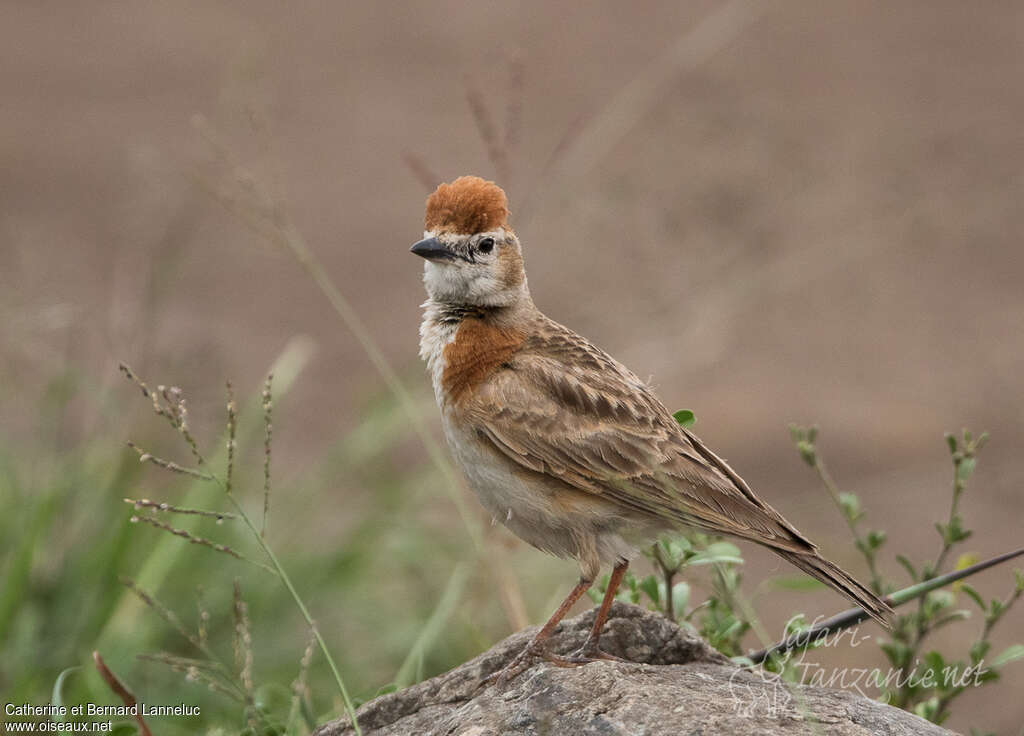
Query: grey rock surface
(678, 685)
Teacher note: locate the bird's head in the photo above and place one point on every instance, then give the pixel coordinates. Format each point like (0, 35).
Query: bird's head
(472, 256)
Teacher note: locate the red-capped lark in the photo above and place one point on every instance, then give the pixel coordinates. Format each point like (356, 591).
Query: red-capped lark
(563, 444)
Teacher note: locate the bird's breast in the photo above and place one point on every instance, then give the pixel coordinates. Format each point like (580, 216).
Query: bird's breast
(462, 355)
(475, 352)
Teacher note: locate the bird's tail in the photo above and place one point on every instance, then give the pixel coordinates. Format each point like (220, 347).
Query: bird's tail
(832, 575)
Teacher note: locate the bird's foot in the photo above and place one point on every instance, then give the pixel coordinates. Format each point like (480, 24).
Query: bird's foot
(534, 651)
(531, 653)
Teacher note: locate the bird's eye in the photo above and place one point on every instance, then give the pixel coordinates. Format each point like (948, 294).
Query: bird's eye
(486, 245)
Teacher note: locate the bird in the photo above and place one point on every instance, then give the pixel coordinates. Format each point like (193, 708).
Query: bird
(561, 443)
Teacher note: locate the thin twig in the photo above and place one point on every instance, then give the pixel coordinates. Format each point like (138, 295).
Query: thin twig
(514, 103)
(145, 457)
(173, 410)
(194, 671)
(602, 131)
(300, 690)
(160, 506)
(921, 628)
(201, 541)
(860, 541)
(203, 617)
(243, 641)
(669, 573)
(421, 170)
(854, 616)
(990, 622)
(232, 428)
(214, 662)
(166, 614)
(488, 131)
(267, 436)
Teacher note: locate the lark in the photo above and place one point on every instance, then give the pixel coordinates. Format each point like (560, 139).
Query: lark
(563, 444)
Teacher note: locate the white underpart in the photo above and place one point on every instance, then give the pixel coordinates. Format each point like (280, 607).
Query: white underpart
(435, 335)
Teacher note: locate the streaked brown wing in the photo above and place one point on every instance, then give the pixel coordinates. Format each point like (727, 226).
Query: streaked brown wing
(565, 408)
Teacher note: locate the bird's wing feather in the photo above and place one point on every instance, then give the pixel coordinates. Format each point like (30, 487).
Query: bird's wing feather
(564, 408)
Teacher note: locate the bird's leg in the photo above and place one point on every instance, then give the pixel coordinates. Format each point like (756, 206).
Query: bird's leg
(590, 651)
(536, 646)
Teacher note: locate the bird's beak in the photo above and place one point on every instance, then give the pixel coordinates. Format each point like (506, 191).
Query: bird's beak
(433, 250)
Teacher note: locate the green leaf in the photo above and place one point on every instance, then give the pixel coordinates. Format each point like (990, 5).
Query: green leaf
(649, 585)
(720, 552)
(937, 600)
(680, 545)
(685, 417)
(673, 551)
(954, 531)
(796, 582)
(908, 566)
(996, 609)
(951, 442)
(1011, 653)
(875, 538)
(935, 662)
(796, 623)
(897, 652)
(730, 626)
(974, 596)
(987, 675)
(702, 559)
(807, 452)
(727, 549)
(631, 590)
(965, 469)
(959, 614)
(928, 709)
(680, 597)
(979, 649)
(850, 504)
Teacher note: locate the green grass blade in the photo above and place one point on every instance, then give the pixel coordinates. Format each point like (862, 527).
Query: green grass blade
(435, 624)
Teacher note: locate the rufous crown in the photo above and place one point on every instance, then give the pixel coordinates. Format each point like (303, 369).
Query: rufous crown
(466, 206)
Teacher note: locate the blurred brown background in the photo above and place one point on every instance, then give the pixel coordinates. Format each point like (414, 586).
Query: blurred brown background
(816, 219)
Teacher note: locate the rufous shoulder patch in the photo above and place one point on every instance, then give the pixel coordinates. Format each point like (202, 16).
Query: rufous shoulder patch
(468, 205)
(478, 349)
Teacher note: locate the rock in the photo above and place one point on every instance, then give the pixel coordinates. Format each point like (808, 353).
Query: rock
(679, 685)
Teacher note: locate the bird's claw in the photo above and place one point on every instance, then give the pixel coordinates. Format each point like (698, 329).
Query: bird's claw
(523, 660)
(584, 655)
